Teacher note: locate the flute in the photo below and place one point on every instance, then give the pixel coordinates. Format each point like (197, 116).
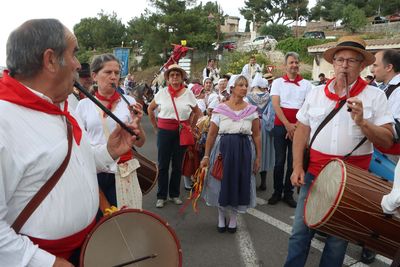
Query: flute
(106, 110)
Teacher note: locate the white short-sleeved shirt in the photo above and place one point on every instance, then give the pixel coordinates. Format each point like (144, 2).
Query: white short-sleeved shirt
(341, 134)
(184, 104)
(201, 104)
(228, 126)
(291, 95)
(394, 98)
(391, 202)
(91, 117)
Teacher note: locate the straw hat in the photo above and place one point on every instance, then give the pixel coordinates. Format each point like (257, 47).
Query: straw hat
(350, 43)
(268, 76)
(175, 67)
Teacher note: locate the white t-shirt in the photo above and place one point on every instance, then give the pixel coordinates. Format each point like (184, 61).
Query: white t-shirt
(184, 104)
(341, 134)
(391, 202)
(394, 98)
(291, 95)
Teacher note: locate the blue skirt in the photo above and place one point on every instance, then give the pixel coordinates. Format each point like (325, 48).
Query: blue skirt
(237, 190)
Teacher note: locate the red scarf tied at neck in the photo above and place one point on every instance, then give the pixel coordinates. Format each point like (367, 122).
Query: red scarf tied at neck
(111, 100)
(173, 92)
(356, 89)
(14, 92)
(295, 81)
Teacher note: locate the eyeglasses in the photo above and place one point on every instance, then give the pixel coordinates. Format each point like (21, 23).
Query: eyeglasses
(350, 61)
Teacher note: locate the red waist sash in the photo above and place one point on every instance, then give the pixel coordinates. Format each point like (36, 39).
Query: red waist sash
(318, 161)
(169, 124)
(64, 247)
(290, 114)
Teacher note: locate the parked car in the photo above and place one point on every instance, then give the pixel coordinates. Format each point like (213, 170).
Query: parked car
(314, 35)
(261, 42)
(228, 45)
(394, 17)
(379, 20)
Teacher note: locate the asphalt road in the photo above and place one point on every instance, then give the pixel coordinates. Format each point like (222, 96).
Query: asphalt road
(262, 236)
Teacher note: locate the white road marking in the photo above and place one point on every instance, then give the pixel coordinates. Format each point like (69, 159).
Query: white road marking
(246, 247)
(315, 243)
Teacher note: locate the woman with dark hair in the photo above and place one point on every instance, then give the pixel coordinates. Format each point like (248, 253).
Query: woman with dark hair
(118, 182)
(233, 138)
(167, 128)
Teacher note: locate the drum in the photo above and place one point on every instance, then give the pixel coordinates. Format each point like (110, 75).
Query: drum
(147, 173)
(345, 201)
(131, 237)
(382, 166)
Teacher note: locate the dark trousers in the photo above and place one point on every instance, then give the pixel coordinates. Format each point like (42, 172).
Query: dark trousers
(107, 185)
(283, 152)
(169, 151)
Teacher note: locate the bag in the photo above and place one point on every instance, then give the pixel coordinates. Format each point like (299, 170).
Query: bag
(306, 158)
(186, 137)
(217, 169)
(191, 162)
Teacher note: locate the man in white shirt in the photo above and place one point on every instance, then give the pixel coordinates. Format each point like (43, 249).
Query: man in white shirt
(369, 116)
(33, 144)
(287, 94)
(250, 69)
(211, 71)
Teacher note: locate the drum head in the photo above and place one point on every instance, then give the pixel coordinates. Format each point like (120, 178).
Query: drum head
(325, 193)
(128, 235)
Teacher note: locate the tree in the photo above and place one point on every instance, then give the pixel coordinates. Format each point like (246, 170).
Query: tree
(274, 11)
(353, 18)
(280, 32)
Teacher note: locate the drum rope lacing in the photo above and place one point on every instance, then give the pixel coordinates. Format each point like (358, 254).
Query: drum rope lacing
(123, 237)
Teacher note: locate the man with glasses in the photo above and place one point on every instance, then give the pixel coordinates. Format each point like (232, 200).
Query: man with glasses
(369, 116)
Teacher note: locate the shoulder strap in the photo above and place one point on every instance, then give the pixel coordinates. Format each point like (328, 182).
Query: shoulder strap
(357, 146)
(45, 189)
(176, 112)
(326, 120)
(391, 89)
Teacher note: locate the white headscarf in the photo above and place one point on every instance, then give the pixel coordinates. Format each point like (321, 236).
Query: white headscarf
(258, 81)
(232, 81)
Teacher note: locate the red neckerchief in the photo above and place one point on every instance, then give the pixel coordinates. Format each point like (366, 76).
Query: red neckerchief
(111, 100)
(295, 81)
(13, 91)
(357, 88)
(174, 92)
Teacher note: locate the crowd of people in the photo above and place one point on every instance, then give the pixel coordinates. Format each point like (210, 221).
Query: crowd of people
(243, 126)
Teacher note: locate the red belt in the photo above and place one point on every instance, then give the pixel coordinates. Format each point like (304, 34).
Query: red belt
(169, 124)
(290, 114)
(64, 247)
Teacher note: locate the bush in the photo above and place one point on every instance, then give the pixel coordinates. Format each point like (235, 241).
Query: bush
(279, 31)
(233, 62)
(300, 45)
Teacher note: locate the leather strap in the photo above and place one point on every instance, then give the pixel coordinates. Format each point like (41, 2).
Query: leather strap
(45, 189)
(176, 112)
(391, 89)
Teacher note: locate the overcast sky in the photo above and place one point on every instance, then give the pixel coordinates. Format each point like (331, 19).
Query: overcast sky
(70, 12)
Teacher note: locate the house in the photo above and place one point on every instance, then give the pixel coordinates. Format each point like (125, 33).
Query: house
(321, 66)
(230, 25)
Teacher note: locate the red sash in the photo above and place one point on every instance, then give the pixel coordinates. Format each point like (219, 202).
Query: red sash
(64, 247)
(318, 160)
(290, 114)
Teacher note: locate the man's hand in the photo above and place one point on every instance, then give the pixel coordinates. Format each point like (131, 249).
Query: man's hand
(290, 128)
(136, 112)
(120, 141)
(60, 262)
(297, 177)
(356, 107)
(256, 165)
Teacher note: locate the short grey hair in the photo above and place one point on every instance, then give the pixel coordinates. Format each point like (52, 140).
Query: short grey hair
(291, 54)
(99, 61)
(27, 44)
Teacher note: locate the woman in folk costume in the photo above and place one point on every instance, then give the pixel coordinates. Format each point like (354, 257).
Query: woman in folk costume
(259, 97)
(118, 183)
(234, 139)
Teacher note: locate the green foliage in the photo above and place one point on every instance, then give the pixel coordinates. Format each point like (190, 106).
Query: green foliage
(280, 32)
(353, 18)
(233, 62)
(151, 58)
(247, 29)
(307, 75)
(274, 11)
(299, 45)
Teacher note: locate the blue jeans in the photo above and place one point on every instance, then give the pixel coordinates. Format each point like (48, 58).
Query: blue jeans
(283, 148)
(169, 150)
(300, 240)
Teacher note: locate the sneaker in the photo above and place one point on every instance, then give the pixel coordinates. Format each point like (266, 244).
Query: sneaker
(274, 199)
(290, 201)
(160, 203)
(177, 200)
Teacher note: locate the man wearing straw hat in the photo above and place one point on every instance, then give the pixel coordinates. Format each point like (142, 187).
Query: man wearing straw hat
(368, 116)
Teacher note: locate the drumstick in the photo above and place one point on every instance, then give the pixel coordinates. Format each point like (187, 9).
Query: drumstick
(136, 260)
(106, 110)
